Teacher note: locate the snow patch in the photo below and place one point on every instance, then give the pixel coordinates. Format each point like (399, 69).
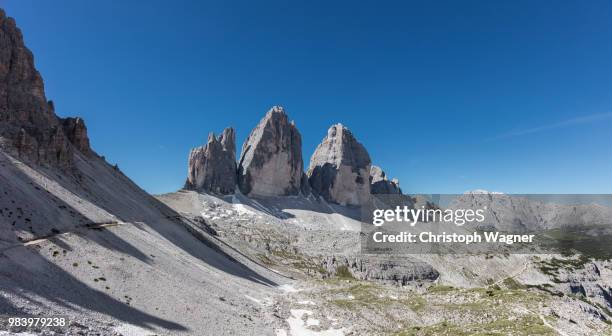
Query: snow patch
(132, 330)
(241, 208)
(253, 299)
(306, 302)
(299, 327)
(287, 288)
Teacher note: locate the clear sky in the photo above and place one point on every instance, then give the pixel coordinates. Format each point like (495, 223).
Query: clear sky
(512, 96)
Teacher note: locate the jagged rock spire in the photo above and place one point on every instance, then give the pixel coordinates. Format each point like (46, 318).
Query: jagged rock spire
(340, 168)
(271, 159)
(212, 167)
(380, 184)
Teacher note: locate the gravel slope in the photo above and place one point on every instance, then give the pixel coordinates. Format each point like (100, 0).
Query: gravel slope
(146, 272)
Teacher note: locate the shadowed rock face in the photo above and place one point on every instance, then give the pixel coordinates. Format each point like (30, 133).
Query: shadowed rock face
(212, 167)
(29, 127)
(271, 160)
(340, 168)
(76, 131)
(377, 268)
(380, 184)
(305, 185)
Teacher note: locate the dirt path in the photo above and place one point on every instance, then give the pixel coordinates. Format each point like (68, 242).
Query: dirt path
(515, 274)
(544, 321)
(91, 226)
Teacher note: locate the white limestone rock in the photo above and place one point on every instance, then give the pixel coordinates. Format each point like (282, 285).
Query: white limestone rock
(212, 167)
(271, 160)
(340, 168)
(380, 184)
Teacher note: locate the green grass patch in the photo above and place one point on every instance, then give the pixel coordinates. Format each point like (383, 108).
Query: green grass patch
(528, 326)
(265, 260)
(553, 266)
(368, 295)
(343, 272)
(512, 284)
(440, 289)
(284, 254)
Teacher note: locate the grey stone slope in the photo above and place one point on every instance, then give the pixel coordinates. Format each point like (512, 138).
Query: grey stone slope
(78, 238)
(528, 213)
(149, 251)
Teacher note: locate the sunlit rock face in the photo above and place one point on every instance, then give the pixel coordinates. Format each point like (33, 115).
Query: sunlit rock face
(340, 168)
(271, 161)
(212, 167)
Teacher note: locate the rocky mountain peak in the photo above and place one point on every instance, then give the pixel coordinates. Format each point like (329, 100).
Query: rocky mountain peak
(380, 184)
(211, 138)
(228, 142)
(212, 167)
(271, 160)
(76, 131)
(20, 82)
(29, 127)
(276, 109)
(340, 168)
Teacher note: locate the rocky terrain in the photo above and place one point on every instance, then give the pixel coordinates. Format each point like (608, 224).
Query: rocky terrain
(518, 213)
(340, 168)
(80, 239)
(29, 127)
(380, 184)
(254, 247)
(345, 292)
(271, 159)
(212, 167)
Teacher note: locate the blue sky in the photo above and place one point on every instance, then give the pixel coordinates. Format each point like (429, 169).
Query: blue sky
(512, 96)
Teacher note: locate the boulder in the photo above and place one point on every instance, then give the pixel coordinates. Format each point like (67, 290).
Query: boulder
(380, 184)
(271, 159)
(212, 167)
(340, 168)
